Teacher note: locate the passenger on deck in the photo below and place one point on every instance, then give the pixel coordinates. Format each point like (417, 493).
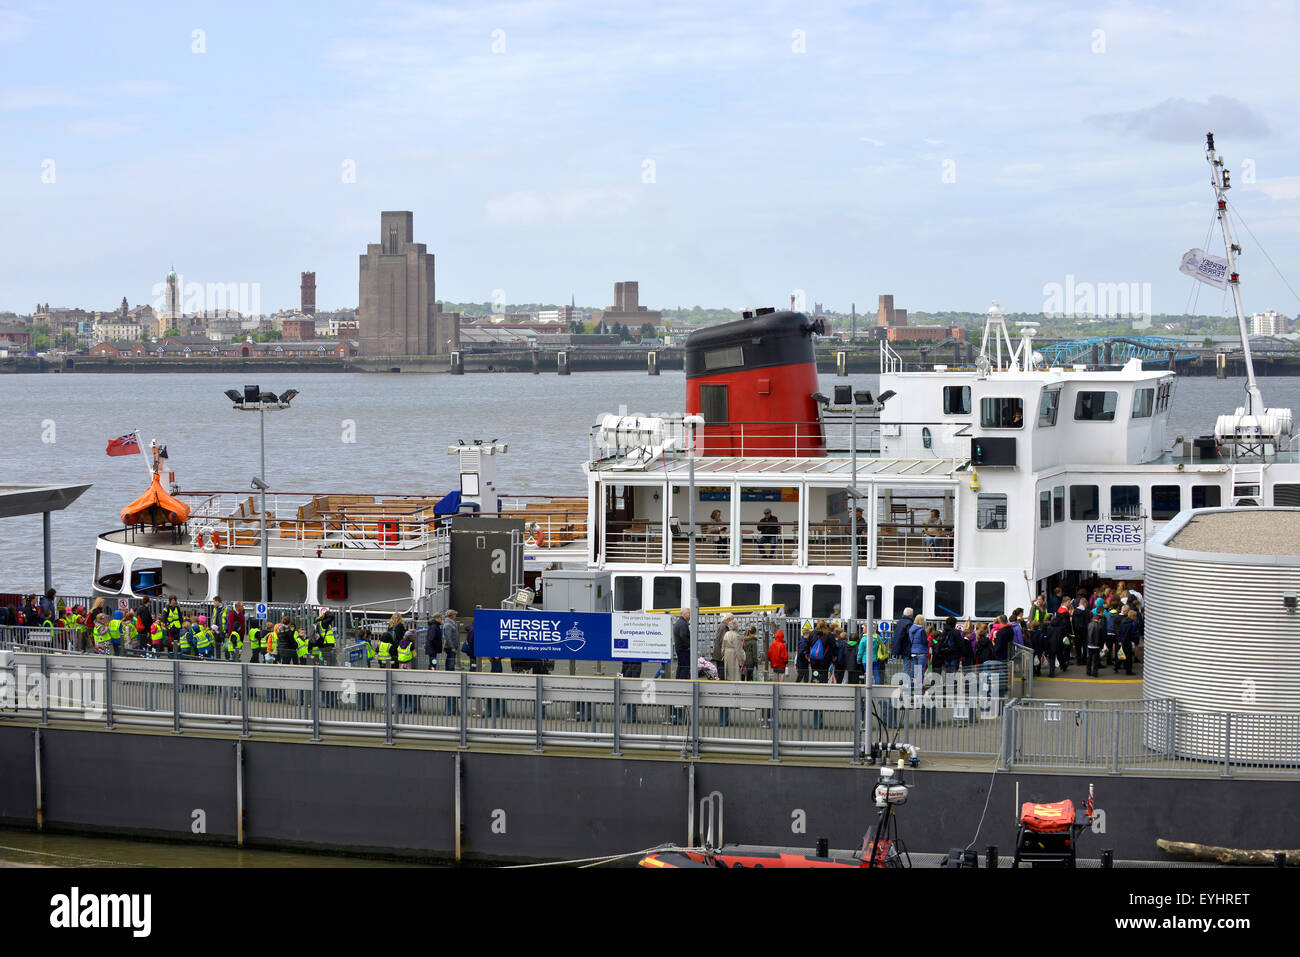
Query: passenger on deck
(715, 531)
(935, 534)
(769, 533)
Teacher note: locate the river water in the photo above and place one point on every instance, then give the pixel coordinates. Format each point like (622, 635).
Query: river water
(80, 850)
(345, 433)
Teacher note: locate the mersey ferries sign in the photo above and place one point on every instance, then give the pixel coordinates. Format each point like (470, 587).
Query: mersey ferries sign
(1113, 534)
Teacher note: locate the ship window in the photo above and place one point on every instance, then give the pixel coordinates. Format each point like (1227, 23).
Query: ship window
(744, 593)
(627, 593)
(1144, 402)
(949, 599)
(667, 591)
(729, 358)
(1084, 503)
(1125, 503)
(1287, 496)
(956, 400)
(1044, 509)
(788, 595)
(1058, 504)
(713, 403)
(908, 596)
(1209, 496)
(1095, 406)
(1049, 403)
(1166, 502)
(991, 511)
(990, 599)
(1002, 413)
(710, 594)
(872, 594)
(824, 600)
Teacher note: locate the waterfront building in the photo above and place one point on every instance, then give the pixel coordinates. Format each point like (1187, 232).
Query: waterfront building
(397, 312)
(299, 328)
(887, 316)
(308, 293)
(627, 308)
(1269, 324)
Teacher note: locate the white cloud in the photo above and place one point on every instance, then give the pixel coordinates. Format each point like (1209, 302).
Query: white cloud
(40, 99)
(1177, 120)
(873, 142)
(101, 129)
(1281, 188)
(560, 207)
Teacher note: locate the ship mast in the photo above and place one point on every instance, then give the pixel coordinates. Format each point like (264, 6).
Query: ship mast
(1219, 178)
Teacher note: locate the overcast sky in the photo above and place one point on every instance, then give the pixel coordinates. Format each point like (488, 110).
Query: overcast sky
(723, 154)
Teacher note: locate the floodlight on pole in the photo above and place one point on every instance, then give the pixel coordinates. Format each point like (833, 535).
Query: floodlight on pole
(253, 399)
(693, 422)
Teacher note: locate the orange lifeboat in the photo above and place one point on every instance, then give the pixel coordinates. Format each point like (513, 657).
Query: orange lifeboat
(155, 507)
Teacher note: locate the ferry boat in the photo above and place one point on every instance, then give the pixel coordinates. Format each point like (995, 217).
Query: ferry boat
(953, 491)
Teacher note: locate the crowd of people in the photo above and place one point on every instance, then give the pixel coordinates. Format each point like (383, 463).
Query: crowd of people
(1095, 628)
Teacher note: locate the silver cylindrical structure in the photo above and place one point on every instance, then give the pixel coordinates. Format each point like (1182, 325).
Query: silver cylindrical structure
(1223, 632)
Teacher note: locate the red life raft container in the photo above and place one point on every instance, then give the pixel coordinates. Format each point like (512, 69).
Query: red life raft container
(1055, 818)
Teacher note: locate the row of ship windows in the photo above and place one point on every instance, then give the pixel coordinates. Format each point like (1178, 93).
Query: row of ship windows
(823, 601)
(1125, 502)
(1007, 412)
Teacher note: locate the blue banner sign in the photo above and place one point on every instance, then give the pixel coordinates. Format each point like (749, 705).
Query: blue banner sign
(581, 636)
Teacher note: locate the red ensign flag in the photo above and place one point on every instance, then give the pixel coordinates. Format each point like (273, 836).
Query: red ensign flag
(123, 445)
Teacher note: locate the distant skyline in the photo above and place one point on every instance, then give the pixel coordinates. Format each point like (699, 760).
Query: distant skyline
(723, 155)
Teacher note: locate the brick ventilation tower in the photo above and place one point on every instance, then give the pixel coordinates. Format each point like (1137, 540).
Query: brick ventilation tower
(308, 294)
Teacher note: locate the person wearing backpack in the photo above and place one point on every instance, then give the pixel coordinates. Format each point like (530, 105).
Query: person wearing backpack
(820, 655)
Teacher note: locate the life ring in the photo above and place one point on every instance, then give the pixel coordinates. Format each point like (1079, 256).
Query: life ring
(530, 540)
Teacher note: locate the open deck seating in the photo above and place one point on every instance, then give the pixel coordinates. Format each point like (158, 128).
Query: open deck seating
(559, 521)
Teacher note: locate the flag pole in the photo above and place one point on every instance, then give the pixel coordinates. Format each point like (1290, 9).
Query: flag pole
(140, 445)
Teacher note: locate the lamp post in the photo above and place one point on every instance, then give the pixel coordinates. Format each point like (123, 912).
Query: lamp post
(253, 399)
(853, 525)
(693, 421)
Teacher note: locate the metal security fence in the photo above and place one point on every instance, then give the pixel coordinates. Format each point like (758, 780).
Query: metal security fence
(466, 708)
(1149, 736)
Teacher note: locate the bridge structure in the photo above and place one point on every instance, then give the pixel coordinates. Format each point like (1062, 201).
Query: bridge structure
(1116, 350)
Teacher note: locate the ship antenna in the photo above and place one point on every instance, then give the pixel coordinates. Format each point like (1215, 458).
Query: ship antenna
(995, 325)
(1219, 179)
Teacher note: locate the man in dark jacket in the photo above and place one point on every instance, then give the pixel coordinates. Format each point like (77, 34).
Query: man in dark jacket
(1080, 620)
(903, 644)
(682, 649)
(1057, 630)
(682, 644)
(1004, 635)
(433, 641)
(1124, 641)
(1096, 638)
